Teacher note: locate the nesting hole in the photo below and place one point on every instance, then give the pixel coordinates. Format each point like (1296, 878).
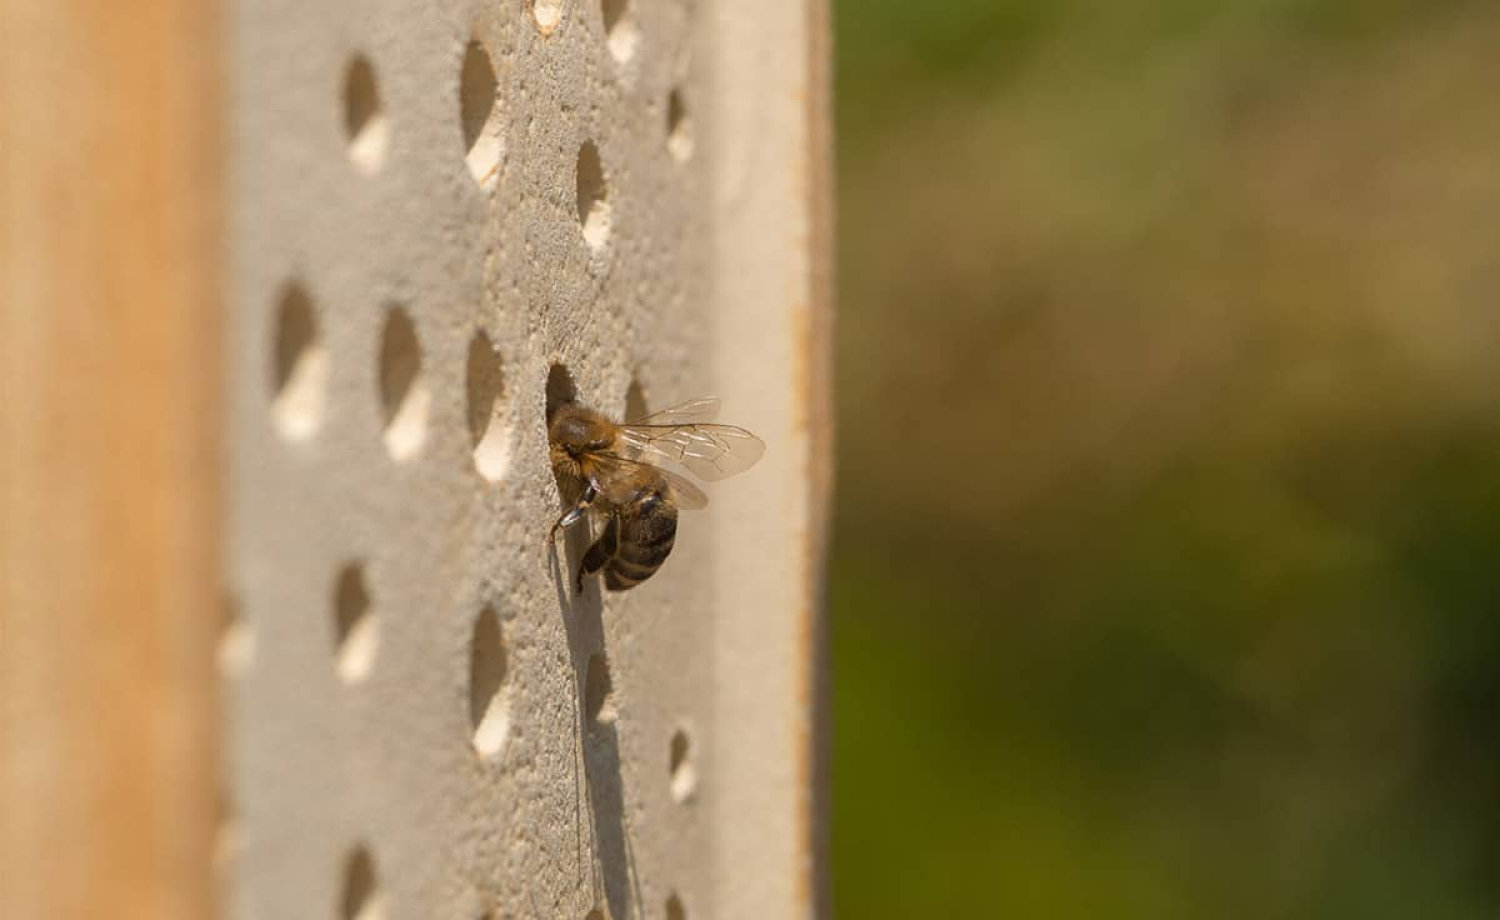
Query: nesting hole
(364, 121)
(226, 841)
(619, 29)
(355, 625)
(561, 389)
(236, 641)
(489, 697)
(595, 914)
(546, 14)
(635, 402)
(486, 405)
(361, 898)
(593, 196)
(300, 368)
(480, 116)
(675, 910)
(684, 776)
(403, 396)
(679, 127)
(599, 692)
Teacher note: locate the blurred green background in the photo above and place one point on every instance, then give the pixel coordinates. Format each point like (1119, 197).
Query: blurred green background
(1165, 579)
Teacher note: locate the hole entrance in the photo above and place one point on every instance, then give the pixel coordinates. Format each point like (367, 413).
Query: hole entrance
(635, 402)
(546, 14)
(619, 30)
(684, 776)
(561, 389)
(355, 631)
(679, 128)
(486, 405)
(300, 366)
(675, 910)
(593, 196)
(598, 692)
(595, 914)
(236, 641)
(479, 116)
(364, 121)
(361, 898)
(489, 697)
(403, 397)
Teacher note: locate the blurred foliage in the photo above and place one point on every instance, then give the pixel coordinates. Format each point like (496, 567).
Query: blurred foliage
(1169, 492)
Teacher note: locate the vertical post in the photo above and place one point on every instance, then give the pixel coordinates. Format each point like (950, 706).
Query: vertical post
(109, 456)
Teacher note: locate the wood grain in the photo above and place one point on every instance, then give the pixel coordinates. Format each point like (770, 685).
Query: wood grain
(109, 456)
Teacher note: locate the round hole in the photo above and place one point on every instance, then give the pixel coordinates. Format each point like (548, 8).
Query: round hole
(364, 121)
(684, 777)
(595, 914)
(355, 626)
(489, 699)
(480, 116)
(300, 366)
(236, 642)
(486, 394)
(619, 30)
(361, 898)
(679, 128)
(227, 841)
(403, 397)
(598, 692)
(675, 910)
(593, 196)
(561, 389)
(546, 14)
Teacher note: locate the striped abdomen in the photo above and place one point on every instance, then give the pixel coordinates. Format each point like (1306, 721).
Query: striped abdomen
(636, 541)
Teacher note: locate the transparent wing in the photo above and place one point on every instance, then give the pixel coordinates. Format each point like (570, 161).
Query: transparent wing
(621, 488)
(707, 451)
(703, 409)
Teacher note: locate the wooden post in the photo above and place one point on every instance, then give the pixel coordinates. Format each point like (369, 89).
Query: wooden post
(110, 460)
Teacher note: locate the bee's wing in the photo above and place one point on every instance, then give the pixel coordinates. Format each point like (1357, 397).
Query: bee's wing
(685, 495)
(703, 409)
(707, 451)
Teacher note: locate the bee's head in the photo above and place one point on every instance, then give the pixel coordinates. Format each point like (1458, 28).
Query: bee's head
(577, 430)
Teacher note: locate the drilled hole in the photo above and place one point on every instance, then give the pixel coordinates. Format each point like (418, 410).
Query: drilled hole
(364, 121)
(619, 29)
(236, 641)
(561, 389)
(300, 366)
(480, 116)
(598, 693)
(546, 14)
(361, 898)
(679, 128)
(489, 697)
(355, 624)
(684, 776)
(675, 910)
(403, 396)
(486, 409)
(593, 196)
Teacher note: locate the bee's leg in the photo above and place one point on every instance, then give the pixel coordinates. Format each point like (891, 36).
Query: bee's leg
(601, 552)
(571, 516)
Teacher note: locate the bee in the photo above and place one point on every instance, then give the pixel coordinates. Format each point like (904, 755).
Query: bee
(611, 469)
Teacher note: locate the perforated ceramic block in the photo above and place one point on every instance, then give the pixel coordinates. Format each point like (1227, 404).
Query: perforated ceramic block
(437, 208)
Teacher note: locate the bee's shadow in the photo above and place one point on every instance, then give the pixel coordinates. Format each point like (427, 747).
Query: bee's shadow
(599, 739)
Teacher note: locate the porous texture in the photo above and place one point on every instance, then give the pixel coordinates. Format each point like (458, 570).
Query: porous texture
(699, 275)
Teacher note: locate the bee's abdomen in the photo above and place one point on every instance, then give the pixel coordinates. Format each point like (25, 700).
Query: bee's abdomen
(647, 532)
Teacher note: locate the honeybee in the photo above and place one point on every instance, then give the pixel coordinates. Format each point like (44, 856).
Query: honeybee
(610, 468)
